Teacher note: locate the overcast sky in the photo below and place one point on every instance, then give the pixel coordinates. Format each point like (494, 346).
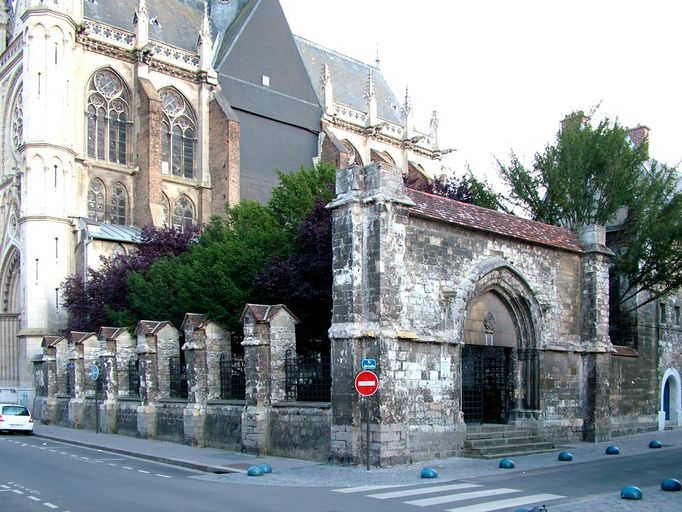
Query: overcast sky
(503, 73)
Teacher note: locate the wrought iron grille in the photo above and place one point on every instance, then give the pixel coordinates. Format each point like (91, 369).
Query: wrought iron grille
(70, 377)
(232, 378)
(529, 370)
(134, 377)
(308, 377)
(178, 378)
(485, 384)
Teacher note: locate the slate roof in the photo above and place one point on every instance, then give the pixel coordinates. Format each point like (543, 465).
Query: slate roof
(110, 333)
(115, 232)
(77, 337)
(179, 21)
(196, 320)
(349, 80)
(264, 313)
(491, 221)
(51, 341)
(150, 326)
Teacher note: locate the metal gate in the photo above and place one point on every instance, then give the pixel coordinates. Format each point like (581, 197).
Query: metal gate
(486, 384)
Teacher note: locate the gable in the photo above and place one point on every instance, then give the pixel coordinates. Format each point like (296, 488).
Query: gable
(262, 46)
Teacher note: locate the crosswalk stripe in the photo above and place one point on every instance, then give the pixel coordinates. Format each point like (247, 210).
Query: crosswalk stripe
(367, 488)
(511, 502)
(450, 498)
(422, 490)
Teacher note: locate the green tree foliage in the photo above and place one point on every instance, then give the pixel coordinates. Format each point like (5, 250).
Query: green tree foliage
(467, 189)
(217, 276)
(593, 174)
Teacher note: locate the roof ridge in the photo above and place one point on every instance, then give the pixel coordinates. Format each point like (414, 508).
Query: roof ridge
(329, 50)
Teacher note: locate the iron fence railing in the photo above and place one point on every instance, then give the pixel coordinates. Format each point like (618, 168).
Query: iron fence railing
(308, 377)
(134, 378)
(178, 378)
(232, 378)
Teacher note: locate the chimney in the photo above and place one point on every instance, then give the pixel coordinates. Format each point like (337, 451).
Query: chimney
(638, 135)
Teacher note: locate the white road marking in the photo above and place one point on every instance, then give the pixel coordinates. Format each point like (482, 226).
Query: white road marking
(17, 491)
(142, 471)
(50, 505)
(162, 476)
(421, 490)
(34, 498)
(126, 467)
(439, 500)
(367, 488)
(511, 502)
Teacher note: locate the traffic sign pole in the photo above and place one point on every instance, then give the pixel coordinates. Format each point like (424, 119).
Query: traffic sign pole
(367, 383)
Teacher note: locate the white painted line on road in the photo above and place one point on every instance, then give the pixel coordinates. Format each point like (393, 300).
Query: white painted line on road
(53, 451)
(367, 488)
(5, 490)
(63, 453)
(17, 491)
(162, 476)
(4, 486)
(451, 498)
(112, 464)
(50, 505)
(142, 471)
(511, 502)
(422, 490)
(126, 467)
(34, 498)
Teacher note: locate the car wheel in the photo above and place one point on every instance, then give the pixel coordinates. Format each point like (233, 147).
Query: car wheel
(28, 432)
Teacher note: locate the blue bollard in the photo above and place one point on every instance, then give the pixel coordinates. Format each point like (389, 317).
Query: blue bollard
(429, 473)
(254, 471)
(671, 484)
(612, 450)
(266, 468)
(631, 492)
(655, 444)
(507, 464)
(565, 456)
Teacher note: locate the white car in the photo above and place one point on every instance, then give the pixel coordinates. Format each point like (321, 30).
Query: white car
(15, 417)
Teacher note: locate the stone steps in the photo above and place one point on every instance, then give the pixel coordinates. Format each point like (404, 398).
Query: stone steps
(492, 441)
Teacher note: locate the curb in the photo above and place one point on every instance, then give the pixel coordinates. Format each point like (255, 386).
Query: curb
(156, 458)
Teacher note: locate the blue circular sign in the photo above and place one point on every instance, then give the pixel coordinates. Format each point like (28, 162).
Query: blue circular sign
(94, 372)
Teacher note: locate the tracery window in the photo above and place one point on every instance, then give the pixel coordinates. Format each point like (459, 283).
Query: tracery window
(118, 205)
(183, 214)
(18, 121)
(96, 200)
(178, 137)
(107, 118)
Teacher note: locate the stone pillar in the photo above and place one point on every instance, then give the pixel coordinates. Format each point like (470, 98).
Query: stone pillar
(269, 332)
(194, 415)
(594, 332)
(77, 403)
(109, 399)
(369, 220)
(224, 158)
(147, 410)
(49, 408)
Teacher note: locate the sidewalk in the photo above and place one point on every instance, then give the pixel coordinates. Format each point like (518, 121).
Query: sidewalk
(232, 466)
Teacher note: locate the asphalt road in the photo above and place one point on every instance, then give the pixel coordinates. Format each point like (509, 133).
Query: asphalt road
(39, 475)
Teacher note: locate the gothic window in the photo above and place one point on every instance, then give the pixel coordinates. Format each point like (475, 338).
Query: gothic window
(183, 214)
(96, 200)
(107, 118)
(118, 205)
(178, 138)
(18, 121)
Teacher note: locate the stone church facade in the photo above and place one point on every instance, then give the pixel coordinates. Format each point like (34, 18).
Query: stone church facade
(123, 114)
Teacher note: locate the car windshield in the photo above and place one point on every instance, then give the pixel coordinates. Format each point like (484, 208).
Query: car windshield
(14, 410)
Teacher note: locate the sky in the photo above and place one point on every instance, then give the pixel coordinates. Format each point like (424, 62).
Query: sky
(503, 73)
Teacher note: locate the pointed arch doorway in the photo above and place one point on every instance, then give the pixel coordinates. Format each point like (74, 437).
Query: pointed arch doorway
(499, 362)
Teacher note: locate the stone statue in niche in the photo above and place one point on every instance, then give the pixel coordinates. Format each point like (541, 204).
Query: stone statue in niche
(489, 328)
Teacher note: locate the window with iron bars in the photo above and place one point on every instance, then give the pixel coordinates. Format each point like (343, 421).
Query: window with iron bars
(308, 377)
(134, 377)
(70, 376)
(178, 378)
(232, 379)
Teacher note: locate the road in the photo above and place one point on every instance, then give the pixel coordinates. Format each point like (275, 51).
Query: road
(40, 475)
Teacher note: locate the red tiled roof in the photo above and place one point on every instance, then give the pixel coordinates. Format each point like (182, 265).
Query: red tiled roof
(110, 333)
(196, 320)
(484, 219)
(51, 341)
(77, 337)
(150, 326)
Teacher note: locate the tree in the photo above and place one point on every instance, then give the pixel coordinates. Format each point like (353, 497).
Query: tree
(466, 189)
(594, 174)
(94, 302)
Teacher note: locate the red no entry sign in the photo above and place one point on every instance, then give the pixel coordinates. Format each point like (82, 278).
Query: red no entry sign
(366, 383)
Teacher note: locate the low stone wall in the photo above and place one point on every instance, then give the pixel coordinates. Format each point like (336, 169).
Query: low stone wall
(169, 421)
(301, 430)
(126, 417)
(223, 427)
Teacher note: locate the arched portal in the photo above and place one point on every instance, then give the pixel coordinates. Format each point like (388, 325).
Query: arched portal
(670, 411)
(9, 319)
(499, 327)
